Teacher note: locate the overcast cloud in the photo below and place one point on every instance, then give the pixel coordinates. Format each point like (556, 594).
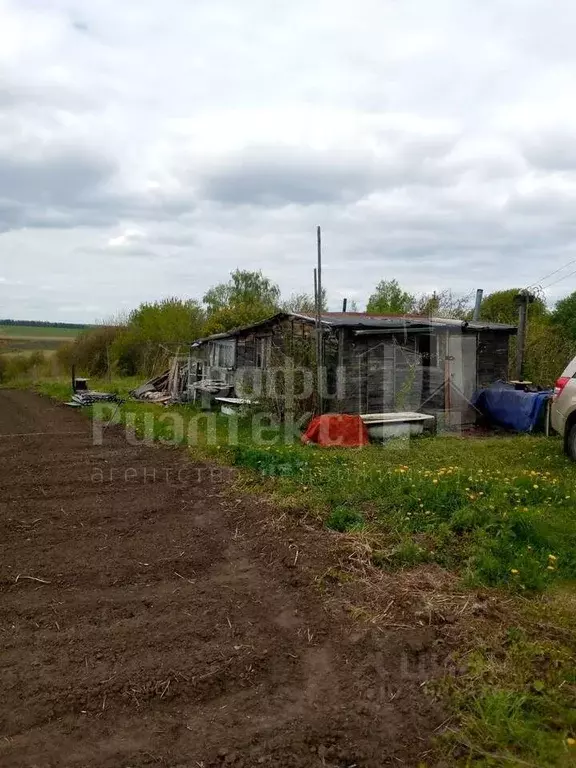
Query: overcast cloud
(147, 149)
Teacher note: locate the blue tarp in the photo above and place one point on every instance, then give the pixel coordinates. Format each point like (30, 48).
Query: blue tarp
(512, 408)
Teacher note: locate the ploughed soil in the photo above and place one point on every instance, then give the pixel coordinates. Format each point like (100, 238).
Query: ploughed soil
(151, 616)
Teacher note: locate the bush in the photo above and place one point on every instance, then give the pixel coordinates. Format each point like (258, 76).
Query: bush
(91, 351)
(141, 345)
(549, 348)
(21, 366)
(153, 334)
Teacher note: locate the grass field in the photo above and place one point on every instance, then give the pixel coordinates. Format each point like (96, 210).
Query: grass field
(499, 512)
(38, 332)
(26, 339)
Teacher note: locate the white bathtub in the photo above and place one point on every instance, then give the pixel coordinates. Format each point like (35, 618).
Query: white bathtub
(382, 426)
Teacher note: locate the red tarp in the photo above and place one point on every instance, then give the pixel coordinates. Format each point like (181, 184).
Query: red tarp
(337, 429)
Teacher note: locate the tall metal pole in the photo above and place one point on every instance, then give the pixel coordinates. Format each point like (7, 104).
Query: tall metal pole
(319, 345)
(478, 304)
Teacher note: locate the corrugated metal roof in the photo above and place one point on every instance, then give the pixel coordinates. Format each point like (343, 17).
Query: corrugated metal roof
(367, 321)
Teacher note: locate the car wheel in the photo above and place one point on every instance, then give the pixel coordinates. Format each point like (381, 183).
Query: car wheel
(570, 445)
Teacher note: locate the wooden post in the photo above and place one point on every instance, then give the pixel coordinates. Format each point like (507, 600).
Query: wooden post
(344, 305)
(522, 299)
(522, 307)
(315, 291)
(447, 384)
(108, 363)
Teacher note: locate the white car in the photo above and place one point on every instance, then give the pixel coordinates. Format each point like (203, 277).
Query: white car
(563, 414)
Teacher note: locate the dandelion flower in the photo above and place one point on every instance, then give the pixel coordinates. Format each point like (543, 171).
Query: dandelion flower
(571, 742)
(514, 571)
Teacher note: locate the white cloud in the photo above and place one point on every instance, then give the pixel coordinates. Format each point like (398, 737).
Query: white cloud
(127, 237)
(433, 142)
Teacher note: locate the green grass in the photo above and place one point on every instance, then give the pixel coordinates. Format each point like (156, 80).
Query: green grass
(500, 512)
(515, 700)
(38, 332)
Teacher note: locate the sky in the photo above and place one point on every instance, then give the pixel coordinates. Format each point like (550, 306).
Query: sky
(149, 148)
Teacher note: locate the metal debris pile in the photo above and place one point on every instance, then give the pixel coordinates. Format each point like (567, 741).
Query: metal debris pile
(84, 398)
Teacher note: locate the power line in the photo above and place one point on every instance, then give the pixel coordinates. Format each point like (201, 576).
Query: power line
(550, 274)
(564, 277)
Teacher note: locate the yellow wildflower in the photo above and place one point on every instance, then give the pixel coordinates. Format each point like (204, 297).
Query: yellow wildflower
(514, 571)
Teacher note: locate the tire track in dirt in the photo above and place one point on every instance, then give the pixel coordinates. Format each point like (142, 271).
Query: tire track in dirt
(145, 621)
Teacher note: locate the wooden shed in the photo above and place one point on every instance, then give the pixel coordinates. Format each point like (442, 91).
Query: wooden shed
(372, 363)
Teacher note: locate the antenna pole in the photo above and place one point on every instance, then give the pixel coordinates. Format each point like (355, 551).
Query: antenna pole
(319, 344)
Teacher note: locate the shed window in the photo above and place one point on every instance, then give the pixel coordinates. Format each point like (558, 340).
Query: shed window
(263, 351)
(222, 353)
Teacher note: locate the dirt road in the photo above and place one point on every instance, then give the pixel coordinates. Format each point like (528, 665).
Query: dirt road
(150, 618)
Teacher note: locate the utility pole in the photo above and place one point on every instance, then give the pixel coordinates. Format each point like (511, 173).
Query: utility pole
(315, 293)
(319, 345)
(522, 299)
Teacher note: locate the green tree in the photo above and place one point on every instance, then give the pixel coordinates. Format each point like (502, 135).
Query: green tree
(244, 287)
(442, 304)
(153, 332)
(303, 303)
(169, 320)
(549, 347)
(389, 299)
(564, 315)
(501, 307)
(91, 350)
(246, 298)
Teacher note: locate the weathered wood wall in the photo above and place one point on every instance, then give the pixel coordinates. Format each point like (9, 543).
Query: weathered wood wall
(376, 373)
(380, 373)
(492, 358)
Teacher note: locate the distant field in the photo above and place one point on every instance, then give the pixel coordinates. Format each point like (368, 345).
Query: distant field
(25, 339)
(38, 332)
